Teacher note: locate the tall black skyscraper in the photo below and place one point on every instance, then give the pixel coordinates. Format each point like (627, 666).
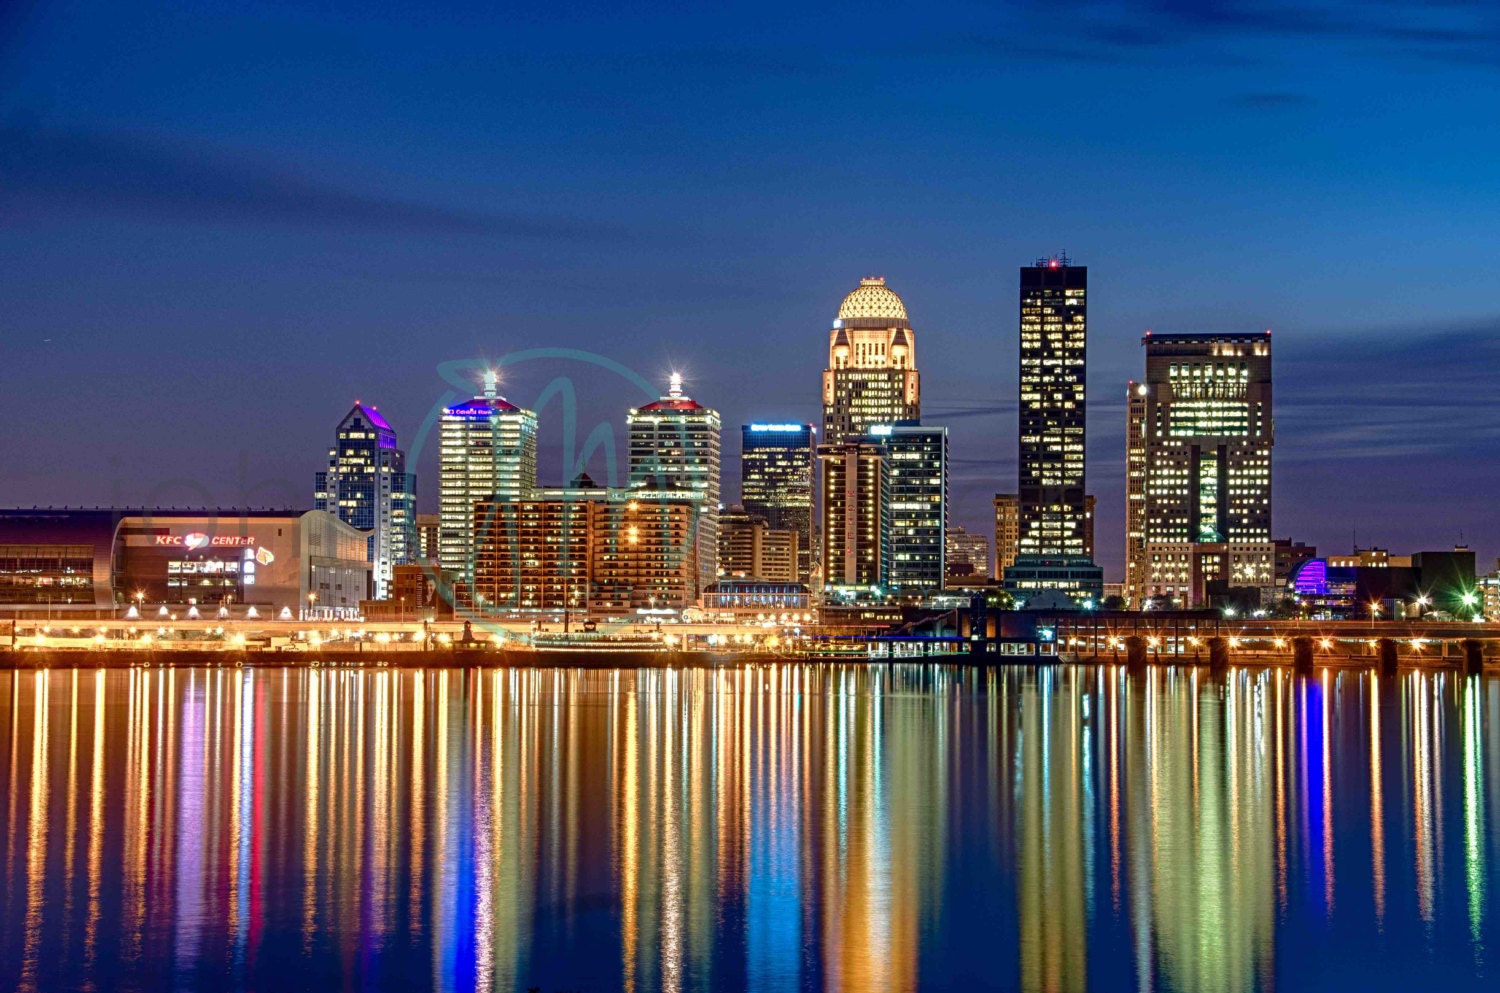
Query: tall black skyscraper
(1052, 519)
(1054, 310)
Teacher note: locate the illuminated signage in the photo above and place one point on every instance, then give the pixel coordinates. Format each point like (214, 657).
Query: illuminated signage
(194, 540)
(468, 412)
(777, 427)
(881, 429)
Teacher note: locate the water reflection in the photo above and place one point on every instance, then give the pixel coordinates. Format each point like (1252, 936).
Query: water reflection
(772, 829)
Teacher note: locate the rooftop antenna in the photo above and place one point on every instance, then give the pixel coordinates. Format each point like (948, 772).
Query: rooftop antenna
(491, 384)
(674, 386)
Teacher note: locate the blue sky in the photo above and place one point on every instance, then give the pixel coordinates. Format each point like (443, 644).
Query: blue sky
(223, 223)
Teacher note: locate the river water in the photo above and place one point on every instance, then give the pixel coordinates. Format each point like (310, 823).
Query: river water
(799, 827)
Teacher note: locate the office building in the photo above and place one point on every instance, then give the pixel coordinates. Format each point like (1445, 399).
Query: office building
(778, 482)
(968, 554)
(366, 485)
(487, 453)
(1198, 487)
(749, 548)
(1007, 531)
(1135, 495)
(1054, 336)
(427, 538)
(856, 511)
(872, 365)
(916, 460)
(674, 446)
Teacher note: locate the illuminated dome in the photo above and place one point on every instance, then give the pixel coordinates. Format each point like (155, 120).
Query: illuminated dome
(873, 301)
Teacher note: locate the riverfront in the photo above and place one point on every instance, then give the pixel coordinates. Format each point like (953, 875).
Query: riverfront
(859, 827)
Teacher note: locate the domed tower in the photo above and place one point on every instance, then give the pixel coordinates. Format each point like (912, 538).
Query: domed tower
(872, 365)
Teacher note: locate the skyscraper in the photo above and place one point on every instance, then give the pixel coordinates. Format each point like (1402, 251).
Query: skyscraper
(1052, 519)
(778, 480)
(675, 446)
(872, 365)
(487, 452)
(1200, 432)
(1054, 309)
(856, 511)
(916, 460)
(1135, 493)
(366, 485)
(1007, 531)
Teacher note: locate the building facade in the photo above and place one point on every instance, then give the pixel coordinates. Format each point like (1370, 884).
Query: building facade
(589, 550)
(1007, 532)
(675, 445)
(269, 562)
(916, 459)
(856, 511)
(968, 554)
(872, 365)
(366, 485)
(1201, 433)
(428, 528)
(1135, 494)
(749, 548)
(778, 481)
(487, 453)
(1054, 348)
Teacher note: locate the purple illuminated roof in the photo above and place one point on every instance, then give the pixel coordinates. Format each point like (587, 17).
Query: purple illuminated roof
(370, 414)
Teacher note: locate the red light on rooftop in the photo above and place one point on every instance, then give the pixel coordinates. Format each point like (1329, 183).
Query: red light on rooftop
(1053, 263)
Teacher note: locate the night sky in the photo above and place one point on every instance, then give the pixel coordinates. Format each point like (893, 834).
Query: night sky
(221, 224)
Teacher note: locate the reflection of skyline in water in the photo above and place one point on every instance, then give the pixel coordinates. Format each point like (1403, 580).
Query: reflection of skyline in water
(862, 828)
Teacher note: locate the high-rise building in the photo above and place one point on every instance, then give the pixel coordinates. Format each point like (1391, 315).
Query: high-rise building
(487, 452)
(856, 511)
(778, 481)
(675, 446)
(646, 554)
(1135, 494)
(1054, 336)
(1201, 431)
(917, 464)
(968, 554)
(535, 554)
(367, 486)
(585, 549)
(427, 537)
(1007, 531)
(749, 548)
(1089, 504)
(872, 365)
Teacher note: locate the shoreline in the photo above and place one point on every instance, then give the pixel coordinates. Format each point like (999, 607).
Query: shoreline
(490, 658)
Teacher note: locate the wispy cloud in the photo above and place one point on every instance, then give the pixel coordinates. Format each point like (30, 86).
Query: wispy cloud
(1337, 398)
(1272, 101)
(1452, 30)
(165, 179)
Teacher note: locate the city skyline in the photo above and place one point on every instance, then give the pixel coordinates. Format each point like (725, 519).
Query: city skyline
(972, 492)
(204, 237)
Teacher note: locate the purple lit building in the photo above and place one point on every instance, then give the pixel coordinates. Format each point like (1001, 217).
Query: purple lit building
(367, 486)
